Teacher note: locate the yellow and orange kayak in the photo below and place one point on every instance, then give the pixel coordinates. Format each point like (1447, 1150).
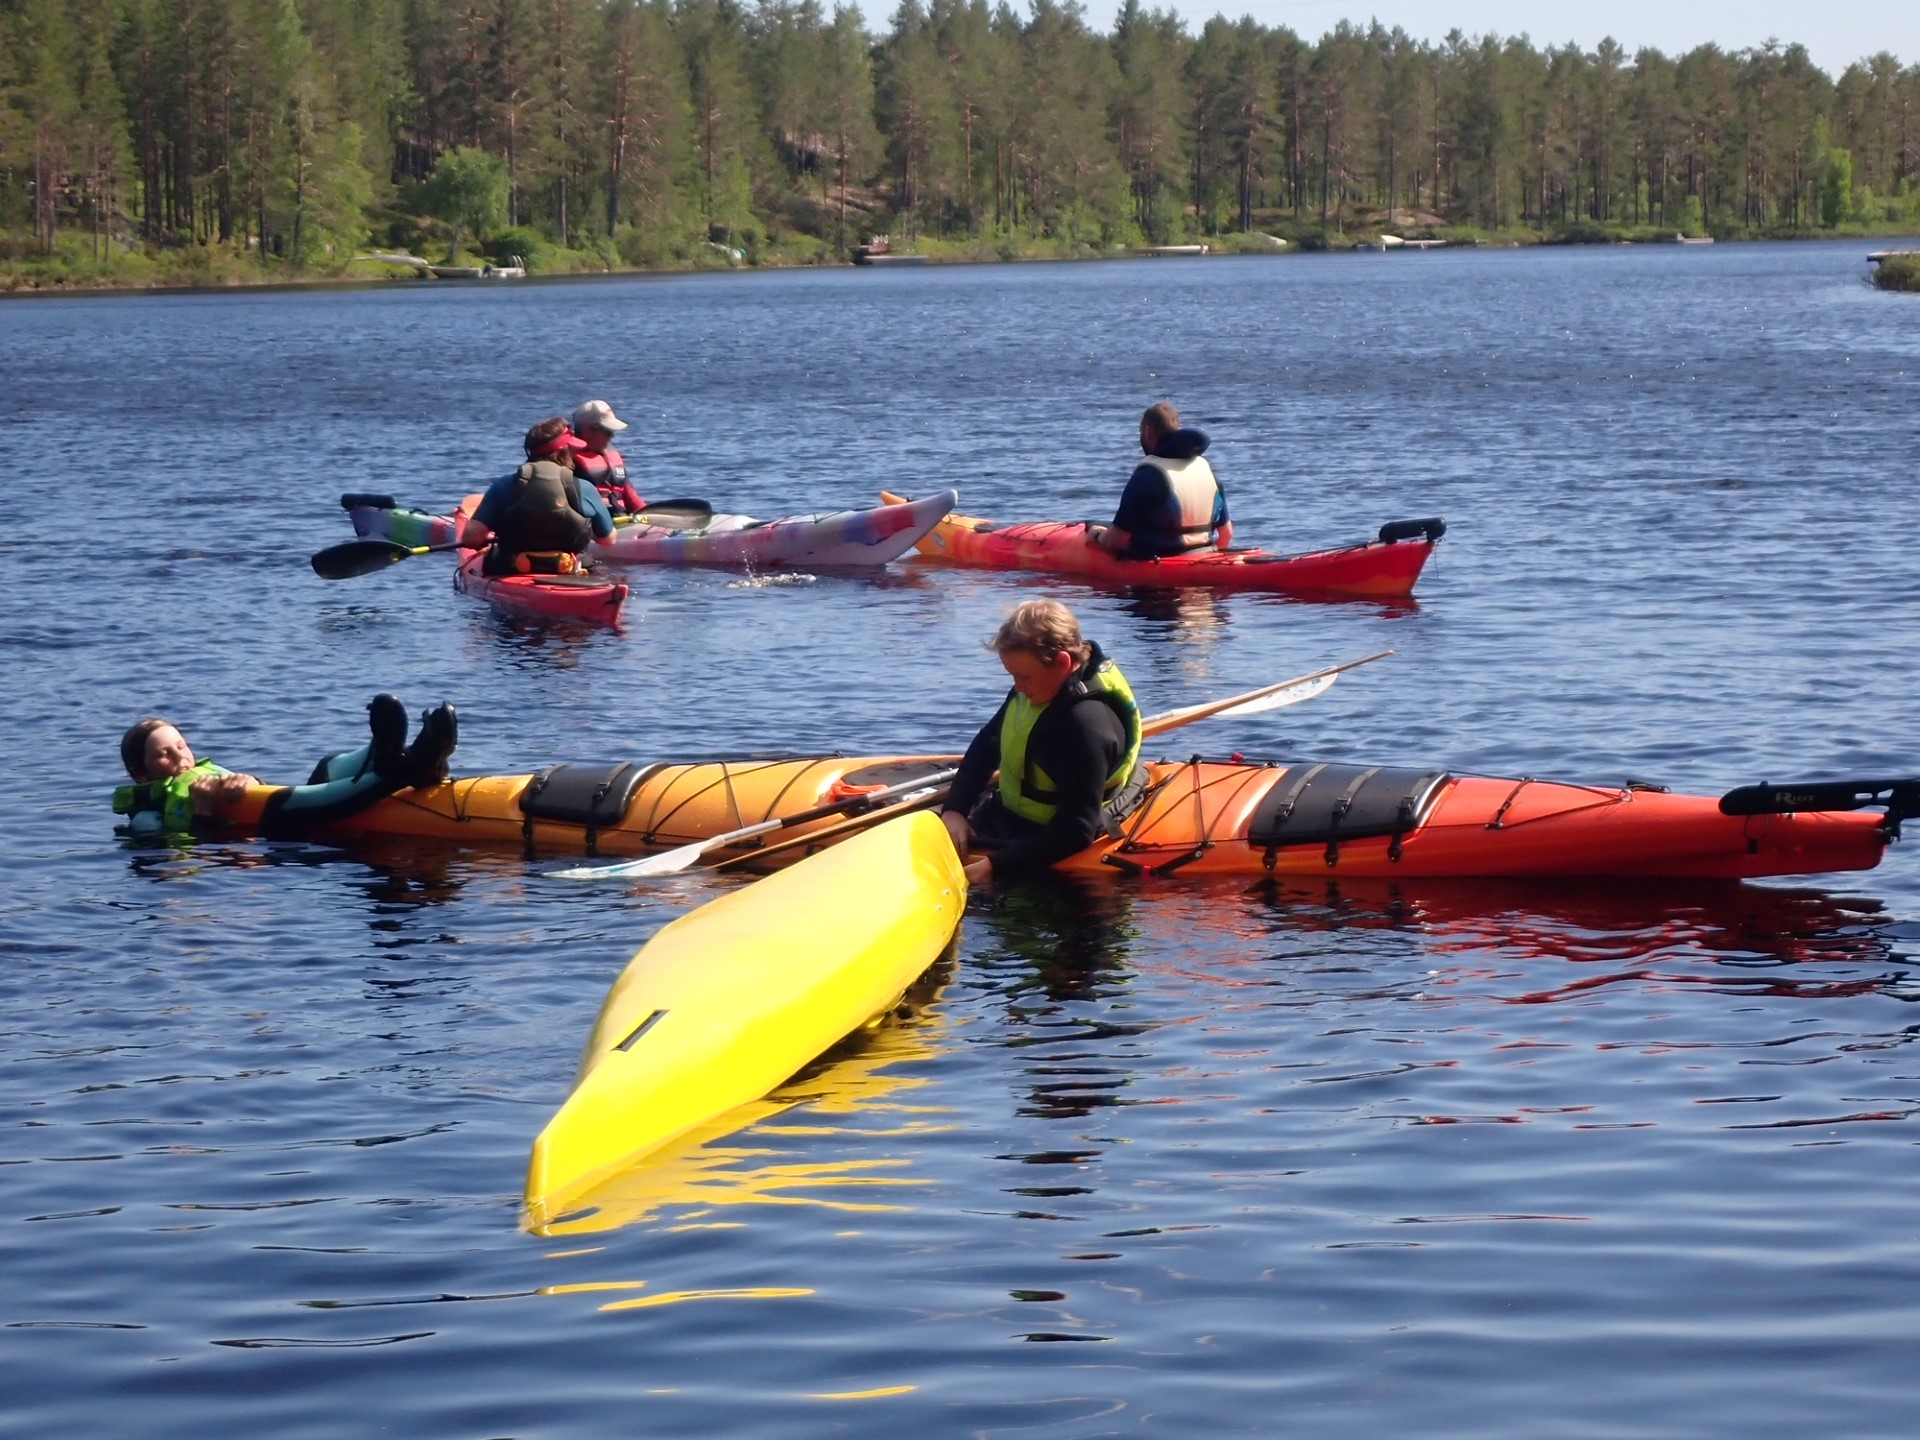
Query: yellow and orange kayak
(729, 1000)
(1218, 817)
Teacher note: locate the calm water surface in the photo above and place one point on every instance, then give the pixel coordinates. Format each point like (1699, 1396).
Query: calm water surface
(1175, 1158)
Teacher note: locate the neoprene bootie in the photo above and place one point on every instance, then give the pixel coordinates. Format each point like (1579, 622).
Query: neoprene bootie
(385, 755)
(426, 758)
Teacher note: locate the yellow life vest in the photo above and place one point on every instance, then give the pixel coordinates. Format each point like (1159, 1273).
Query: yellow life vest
(1025, 789)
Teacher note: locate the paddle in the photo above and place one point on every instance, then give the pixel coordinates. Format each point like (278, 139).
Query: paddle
(671, 862)
(363, 557)
(670, 515)
(910, 793)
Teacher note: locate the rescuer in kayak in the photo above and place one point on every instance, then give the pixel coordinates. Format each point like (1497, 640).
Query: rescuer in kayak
(1066, 742)
(596, 425)
(1173, 502)
(540, 519)
(174, 794)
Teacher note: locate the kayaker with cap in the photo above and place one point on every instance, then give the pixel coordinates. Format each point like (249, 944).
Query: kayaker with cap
(1173, 502)
(174, 794)
(1066, 742)
(596, 425)
(540, 519)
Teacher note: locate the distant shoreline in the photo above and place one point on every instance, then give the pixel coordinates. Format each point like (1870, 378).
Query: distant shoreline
(20, 286)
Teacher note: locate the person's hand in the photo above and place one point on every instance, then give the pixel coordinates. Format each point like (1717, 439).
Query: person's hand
(979, 872)
(958, 830)
(214, 790)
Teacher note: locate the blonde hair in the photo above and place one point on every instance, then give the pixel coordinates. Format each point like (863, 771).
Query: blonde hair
(1043, 627)
(1162, 419)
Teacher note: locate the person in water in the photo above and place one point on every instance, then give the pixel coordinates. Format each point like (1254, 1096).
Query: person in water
(595, 424)
(540, 519)
(1173, 502)
(172, 793)
(1066, 743)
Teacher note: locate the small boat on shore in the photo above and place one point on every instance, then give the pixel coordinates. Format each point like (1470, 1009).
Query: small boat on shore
(879, 251)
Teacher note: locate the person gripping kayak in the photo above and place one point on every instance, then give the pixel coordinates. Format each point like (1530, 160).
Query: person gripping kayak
(1173, 502)
(1066, 744)
(173, 793)
(539, 519)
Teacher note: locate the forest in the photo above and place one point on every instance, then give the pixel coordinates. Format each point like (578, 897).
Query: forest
(223, 140)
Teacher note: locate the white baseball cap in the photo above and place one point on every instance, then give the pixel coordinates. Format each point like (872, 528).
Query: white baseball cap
(598, 412)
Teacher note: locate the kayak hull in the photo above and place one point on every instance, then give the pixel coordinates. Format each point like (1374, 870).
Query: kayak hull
(731, 999)
(1202, 817)
(568, 597)
(843, 539)
(1377, 570)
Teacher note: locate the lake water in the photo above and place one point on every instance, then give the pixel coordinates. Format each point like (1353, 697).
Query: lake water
(1172, 1158)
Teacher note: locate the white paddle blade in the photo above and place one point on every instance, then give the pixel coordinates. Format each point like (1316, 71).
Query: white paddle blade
(667, 862)
(1286, 695)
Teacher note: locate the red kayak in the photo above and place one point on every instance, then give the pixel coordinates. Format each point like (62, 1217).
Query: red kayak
(576, 597)
(1381, 569)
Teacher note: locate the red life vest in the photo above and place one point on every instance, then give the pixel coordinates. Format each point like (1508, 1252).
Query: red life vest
(607, 473)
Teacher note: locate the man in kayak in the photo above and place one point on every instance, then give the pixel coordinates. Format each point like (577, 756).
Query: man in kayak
(1066, 742)
(596, 425)
(540, 519)
(1173, 502)
(174, 794)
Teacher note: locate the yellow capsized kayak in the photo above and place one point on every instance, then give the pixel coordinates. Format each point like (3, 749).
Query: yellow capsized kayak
(731, 999)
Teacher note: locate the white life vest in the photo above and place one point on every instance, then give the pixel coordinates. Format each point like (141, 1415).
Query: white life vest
(1195, 489)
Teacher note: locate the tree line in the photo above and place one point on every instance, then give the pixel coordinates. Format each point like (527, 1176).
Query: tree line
(644, 132)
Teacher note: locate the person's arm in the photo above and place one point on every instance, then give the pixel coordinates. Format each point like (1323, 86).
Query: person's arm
(975, 769)
(1078, 754)
(1146, 490)
(1222, 520)
(593, 505)
(478, 531)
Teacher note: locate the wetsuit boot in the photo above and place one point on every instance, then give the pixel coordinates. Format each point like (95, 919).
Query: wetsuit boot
(425, 761)
(344, 784)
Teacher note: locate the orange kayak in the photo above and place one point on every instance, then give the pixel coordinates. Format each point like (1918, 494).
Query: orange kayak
(1381, 569)
(1203, 817)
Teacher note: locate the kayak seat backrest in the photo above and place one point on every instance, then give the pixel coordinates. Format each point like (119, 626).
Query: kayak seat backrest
(594, 796)
(1327, 803)
(356, 500)
(890, 772)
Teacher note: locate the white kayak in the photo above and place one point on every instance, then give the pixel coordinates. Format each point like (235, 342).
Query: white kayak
(830, 540)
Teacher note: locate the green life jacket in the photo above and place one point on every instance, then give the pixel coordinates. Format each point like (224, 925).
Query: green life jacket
(1025, 789)
(164, 806)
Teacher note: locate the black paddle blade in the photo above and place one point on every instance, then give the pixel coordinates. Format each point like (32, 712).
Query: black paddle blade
(357, 557)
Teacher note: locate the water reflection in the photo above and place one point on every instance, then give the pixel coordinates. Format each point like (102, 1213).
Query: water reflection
(1752, 937)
